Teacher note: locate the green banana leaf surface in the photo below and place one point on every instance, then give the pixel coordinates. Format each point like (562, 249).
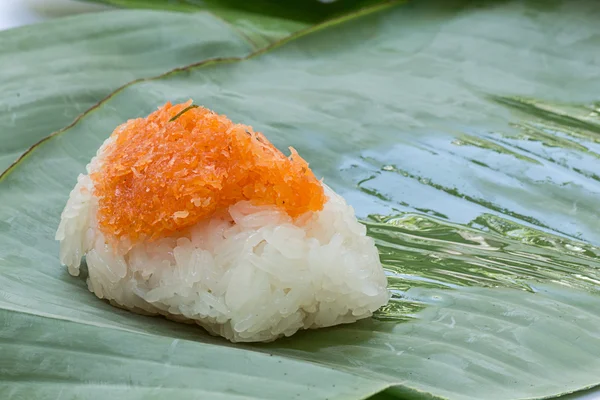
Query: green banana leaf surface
(466, 136)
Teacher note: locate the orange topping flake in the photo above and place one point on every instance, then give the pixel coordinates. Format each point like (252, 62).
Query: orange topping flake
(158, 177)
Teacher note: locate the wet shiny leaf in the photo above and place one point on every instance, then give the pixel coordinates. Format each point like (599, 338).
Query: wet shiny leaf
(466, 137)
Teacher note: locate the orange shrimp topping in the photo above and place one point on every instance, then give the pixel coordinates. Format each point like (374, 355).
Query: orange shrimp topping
(164, 173)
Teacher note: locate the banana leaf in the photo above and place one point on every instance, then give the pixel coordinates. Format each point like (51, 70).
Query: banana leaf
(466, 137)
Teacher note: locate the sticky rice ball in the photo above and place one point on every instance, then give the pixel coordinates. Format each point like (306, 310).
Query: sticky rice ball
(190, 216)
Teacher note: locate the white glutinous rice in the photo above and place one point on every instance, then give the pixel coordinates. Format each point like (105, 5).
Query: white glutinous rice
(254, 275)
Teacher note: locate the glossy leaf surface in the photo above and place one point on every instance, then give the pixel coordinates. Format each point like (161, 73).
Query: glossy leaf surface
(465, 135)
